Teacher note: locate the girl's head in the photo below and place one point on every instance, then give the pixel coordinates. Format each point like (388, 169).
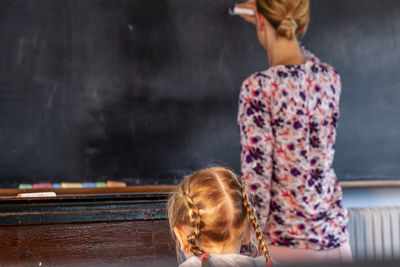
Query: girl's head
(287, 18)
(209, 212)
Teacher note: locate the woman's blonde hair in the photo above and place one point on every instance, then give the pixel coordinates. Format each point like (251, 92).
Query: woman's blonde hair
(288, 17)
(214, 203)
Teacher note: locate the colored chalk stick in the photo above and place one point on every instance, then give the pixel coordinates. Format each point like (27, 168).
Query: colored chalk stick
(71, 185)
(89, 185)
(42, 185)
(101, 184)
(115, 184)
(56, 185)
(25, 186)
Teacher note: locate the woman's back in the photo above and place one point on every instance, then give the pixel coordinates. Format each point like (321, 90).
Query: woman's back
(289, 116)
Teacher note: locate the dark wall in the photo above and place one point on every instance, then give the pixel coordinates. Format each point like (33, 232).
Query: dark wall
(145, 91)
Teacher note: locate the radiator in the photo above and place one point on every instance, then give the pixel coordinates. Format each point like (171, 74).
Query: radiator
(374, 233)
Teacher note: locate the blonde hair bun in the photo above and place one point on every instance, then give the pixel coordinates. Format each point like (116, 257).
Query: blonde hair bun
(287, 28)
(288, 17)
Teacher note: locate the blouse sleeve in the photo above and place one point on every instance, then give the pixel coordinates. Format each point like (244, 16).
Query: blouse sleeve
(256, 139)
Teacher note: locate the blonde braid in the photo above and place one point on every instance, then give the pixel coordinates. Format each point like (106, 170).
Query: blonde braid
(197, 224)
(250, 211)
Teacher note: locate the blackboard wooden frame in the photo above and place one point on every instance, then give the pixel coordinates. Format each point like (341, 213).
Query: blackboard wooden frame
(137, 191)
(91, 192)
(83, 208)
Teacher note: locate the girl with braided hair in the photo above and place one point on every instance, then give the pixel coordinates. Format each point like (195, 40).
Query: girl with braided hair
(287, 117)
(211, 217)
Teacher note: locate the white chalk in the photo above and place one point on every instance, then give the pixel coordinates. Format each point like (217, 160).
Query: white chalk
(41, 194)
(241, 11)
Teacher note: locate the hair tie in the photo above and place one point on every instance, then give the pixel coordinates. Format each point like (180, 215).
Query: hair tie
(270, 263)
(291, 19)
(204, 256)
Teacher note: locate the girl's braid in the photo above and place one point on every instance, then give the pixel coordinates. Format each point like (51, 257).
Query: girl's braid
(197, 224)
(250, 211)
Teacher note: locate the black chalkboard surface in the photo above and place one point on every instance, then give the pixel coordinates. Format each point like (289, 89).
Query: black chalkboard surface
(146, 91)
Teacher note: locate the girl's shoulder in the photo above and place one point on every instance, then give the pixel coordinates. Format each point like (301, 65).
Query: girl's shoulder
(192, 261)
(236, 260)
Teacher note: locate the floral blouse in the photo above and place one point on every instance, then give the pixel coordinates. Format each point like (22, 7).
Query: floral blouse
(287, 118)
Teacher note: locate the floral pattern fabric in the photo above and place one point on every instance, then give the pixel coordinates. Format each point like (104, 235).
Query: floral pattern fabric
(288, 117)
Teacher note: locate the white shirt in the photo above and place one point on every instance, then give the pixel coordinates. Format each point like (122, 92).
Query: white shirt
(235, 260)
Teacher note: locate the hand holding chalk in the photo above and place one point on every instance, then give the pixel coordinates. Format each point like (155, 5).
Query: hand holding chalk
(246, 10)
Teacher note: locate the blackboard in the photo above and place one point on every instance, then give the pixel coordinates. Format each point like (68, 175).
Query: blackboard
(146, 91)
(361, 38)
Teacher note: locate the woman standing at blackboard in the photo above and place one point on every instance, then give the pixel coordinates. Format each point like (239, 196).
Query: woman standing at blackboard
(287, 118)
